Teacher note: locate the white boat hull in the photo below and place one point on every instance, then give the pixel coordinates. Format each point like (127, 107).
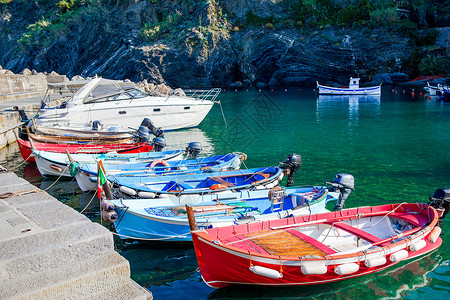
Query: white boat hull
(173, 114)
(326, 90)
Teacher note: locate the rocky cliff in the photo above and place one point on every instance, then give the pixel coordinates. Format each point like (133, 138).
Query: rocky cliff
(194, 43)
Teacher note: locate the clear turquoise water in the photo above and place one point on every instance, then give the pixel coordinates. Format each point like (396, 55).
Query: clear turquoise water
(396, 146)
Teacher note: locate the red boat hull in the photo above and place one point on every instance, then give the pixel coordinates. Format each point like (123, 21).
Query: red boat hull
(222, 264)
(25, 148)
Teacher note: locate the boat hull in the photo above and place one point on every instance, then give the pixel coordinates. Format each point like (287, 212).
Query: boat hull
(234, 269)
(57, 164)
(137, 220)
(169, 115)
(26, 151)
(326, 90)
(319, 249)
(86, 174)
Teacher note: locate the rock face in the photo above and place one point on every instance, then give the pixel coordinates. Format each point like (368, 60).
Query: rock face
(203, 49)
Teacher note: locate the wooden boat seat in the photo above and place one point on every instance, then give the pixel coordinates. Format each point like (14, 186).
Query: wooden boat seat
(243, 243)
(222, 181)
(183, 186)
(264, 175)
(313, 242)
(269, 242)
(355, 231)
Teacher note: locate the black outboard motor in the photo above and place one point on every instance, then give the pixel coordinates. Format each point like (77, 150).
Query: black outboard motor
(158, 144)
(95, 125)
(292, 163)
(441, 201)
(344, 183)
(143, 135)
(156, 131)
(193, 149)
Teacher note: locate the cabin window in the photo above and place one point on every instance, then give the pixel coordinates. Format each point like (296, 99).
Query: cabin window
(157, 109)
(187, 108)
(122, 112)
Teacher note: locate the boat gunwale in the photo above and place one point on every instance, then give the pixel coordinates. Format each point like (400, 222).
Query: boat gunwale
(205, 237)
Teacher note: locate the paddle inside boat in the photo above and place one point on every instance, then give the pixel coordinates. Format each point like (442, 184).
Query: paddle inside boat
(321, 248)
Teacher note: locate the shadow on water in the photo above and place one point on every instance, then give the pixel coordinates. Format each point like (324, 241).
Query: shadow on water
(159, 263)
(392, 283)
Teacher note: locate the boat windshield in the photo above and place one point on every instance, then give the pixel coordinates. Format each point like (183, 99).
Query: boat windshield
(114, 93)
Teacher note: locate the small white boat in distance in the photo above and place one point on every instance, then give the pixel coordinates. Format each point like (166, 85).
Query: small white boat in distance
(353, 89)
(113, 105)
(434, 90)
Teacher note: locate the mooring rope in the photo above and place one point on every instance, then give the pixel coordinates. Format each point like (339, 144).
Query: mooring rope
(145, 239)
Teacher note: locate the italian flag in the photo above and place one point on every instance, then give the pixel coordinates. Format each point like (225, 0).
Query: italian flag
(101, 179)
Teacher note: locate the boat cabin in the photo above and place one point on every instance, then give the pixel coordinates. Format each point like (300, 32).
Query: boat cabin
(354, 83)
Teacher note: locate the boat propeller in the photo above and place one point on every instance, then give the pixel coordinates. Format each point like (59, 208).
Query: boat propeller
(441, 201)
(292, 163)
(345, 184)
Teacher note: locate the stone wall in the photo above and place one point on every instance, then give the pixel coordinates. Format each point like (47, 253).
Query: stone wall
(28, 84)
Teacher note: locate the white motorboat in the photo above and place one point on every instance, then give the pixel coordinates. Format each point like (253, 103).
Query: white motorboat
(437, 90)
(353, 89)
(113, 105)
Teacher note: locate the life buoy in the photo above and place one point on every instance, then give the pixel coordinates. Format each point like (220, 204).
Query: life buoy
(218, 186)
(160, 162)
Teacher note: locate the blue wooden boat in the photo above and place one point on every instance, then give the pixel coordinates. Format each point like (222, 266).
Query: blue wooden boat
(166, 219)
(57, 164)
(86, 174)
(143, 186)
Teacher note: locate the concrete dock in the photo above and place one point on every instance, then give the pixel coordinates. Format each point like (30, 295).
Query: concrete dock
(50, 251)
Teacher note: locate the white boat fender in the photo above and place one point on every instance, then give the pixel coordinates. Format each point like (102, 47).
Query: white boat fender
(314, 268)
(263, 271)
(109, 216)
(167, 196)
(106, 205)
(434, 235)
(270, 185)
(375, 261)
(127, 190)
(345, 269)
(418, 245)
(281, 176)
(260, 187)
(146, 195)
(398, 256)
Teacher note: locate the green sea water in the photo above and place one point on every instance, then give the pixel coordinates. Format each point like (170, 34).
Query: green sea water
(396, 146)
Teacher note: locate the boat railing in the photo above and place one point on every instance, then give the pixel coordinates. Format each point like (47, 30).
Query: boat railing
(205, 95)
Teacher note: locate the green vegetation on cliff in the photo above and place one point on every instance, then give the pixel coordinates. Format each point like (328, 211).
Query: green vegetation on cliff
(201, 25)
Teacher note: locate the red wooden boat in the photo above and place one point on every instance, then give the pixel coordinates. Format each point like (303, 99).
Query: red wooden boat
(25, 148)
(320, 248)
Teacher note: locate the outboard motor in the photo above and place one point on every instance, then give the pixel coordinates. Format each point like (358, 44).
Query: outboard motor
(95, 125)
(441, 201)
(344, 183)
(292, 163)
(143, 135)
(193, 149)
(158, 144)
(156, 131)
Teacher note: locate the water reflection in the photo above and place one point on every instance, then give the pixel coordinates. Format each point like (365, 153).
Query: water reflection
(393, 283)
(347, 105)
(180, 139)
(155, 264)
